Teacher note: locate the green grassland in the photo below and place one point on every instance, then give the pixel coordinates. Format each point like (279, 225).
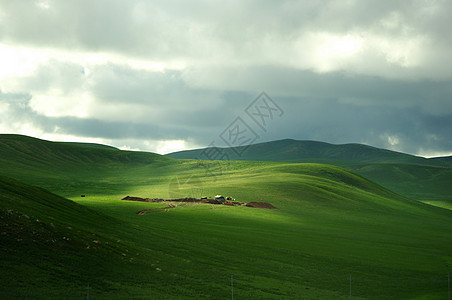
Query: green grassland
(429, 184)
(330, 224)
(422, 179)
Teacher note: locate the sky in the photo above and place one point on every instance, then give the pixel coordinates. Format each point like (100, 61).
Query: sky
(170, 75)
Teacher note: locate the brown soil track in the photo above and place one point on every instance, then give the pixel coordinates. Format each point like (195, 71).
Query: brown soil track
(264, 205)
(148, 210)
(260, 205)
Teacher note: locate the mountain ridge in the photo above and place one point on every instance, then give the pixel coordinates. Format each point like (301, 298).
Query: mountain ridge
(300, 150)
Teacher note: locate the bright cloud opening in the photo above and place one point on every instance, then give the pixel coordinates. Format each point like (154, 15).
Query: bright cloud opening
(331, 52)
(165, 147)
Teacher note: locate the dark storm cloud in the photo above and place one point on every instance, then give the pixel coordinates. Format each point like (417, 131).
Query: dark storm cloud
(433, 97)
(409, 130)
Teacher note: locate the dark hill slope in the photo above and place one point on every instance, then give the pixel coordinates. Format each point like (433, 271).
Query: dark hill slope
(33, 152)
(445, 160)
(302, 151)
(35, 225)
(89, 145)
(38, 162)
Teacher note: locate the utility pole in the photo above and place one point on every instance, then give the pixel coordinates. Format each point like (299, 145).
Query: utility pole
(232, 287)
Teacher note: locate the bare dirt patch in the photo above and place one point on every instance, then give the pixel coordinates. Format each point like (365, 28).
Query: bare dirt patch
(137, 199)
(189, 201)
(150, 210)
(260, 205)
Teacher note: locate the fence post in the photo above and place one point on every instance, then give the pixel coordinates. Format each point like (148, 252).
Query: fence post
(232, 287)
(448, 286)
(87, 292)
(350, 287)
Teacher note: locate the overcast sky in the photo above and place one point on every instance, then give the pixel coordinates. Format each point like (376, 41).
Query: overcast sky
(166, 75)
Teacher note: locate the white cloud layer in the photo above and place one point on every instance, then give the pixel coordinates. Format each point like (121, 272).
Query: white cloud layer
(160, 75)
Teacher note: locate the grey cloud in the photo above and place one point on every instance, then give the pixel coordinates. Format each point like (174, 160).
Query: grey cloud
(203, 90)
(89, 127)
(14, 97)
(334, 107)
(206, 30)
(66, 77)
(131, 27)
(115, 83)
(105, 129)
(304, 118)
(430, 96)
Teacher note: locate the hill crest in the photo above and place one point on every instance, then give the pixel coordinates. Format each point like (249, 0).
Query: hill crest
(32, 151)
(290, 150)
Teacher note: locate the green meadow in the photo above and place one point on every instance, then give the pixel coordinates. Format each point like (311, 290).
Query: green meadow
(419, 178)
(333, 229)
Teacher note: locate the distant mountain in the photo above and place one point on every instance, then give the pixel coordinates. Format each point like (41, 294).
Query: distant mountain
(308, 151)
(444, 160)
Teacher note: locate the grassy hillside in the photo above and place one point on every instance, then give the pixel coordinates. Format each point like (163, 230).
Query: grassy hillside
(424, 183)
(89, 145)
(52, 247)
(43, 163)
(330, 224)
(426, 180)
(34, 153)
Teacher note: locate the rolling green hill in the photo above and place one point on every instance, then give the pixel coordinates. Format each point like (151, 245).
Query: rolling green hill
(32, 152)
(330, 224)
(89, 145)
(43, 163)
(426, 180)
(428, 184)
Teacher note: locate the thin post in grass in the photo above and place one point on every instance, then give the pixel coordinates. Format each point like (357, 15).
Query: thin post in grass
(87, 292)
(232, 287)
(350, 287)
(448, 286)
